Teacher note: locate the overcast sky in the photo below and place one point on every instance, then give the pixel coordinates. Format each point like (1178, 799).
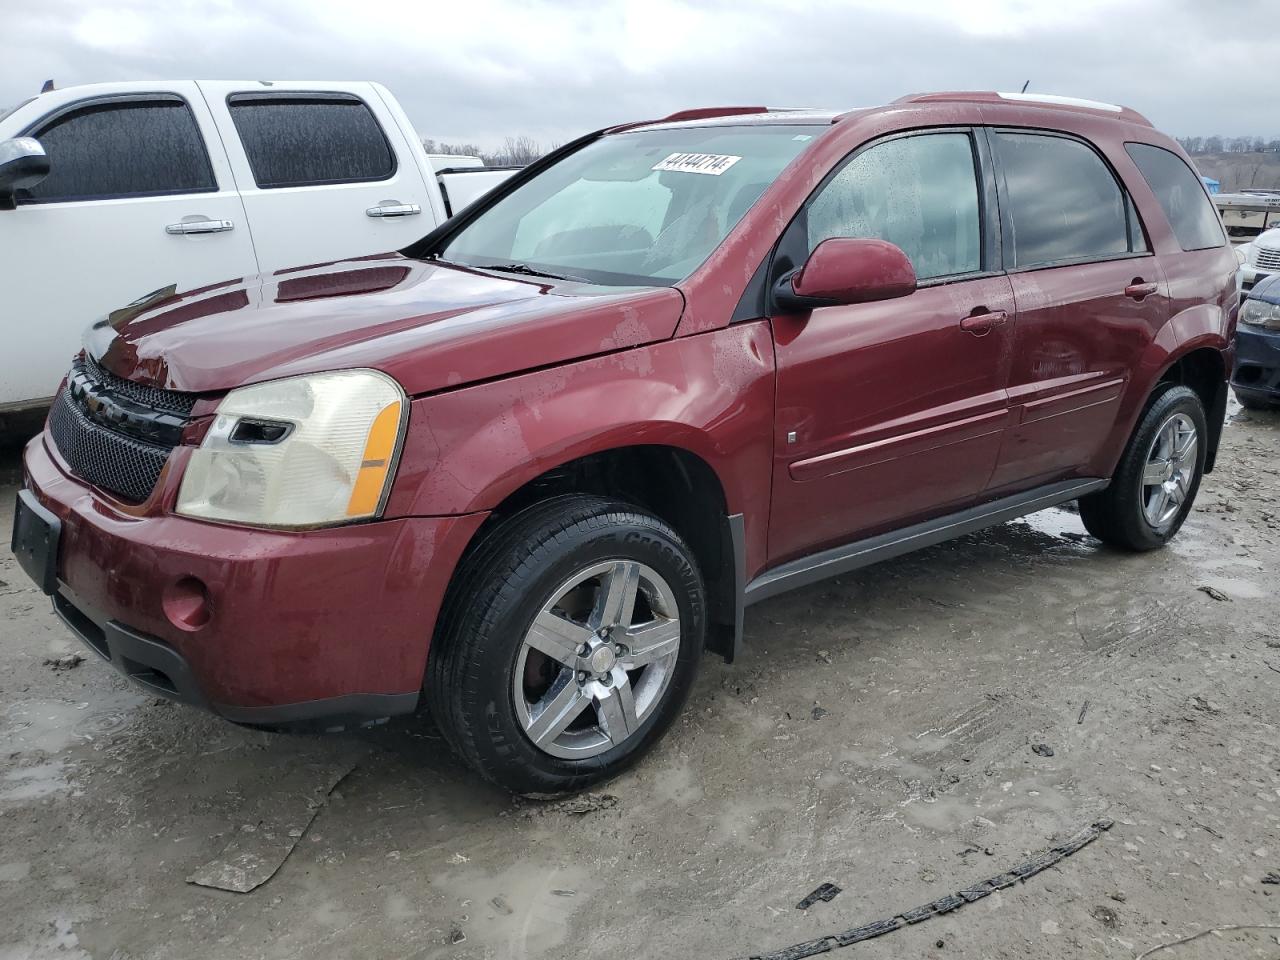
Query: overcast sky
(479, 70)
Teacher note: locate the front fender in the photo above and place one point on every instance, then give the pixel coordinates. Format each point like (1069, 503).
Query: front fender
(467, 450)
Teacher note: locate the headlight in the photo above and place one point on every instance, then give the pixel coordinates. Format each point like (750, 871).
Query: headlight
(308, 451)
(1259, 313)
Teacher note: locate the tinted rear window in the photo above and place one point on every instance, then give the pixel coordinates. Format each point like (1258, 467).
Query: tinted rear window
(1181, 194)
(122, 149)
(298, 141)
(1064, 204)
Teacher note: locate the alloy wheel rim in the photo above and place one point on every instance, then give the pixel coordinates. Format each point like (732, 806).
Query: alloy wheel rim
(1169, 471)
(596, 660)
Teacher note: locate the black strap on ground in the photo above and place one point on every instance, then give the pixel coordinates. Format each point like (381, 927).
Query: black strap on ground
(877, 928)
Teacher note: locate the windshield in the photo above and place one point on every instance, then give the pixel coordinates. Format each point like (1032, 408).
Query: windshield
(644, 207)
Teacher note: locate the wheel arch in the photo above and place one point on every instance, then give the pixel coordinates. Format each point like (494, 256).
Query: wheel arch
(676, 484)
(1200, 365)
(1192, 349)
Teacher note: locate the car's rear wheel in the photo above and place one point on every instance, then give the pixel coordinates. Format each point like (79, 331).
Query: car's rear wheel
(567, 645)
(1156, 481)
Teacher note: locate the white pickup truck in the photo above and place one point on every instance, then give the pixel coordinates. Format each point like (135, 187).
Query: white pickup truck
(151, 185)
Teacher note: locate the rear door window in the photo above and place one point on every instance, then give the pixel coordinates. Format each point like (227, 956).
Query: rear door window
(113, 149)
(919, 192)
(300, 140)
(1062, 202)
(1182, 196)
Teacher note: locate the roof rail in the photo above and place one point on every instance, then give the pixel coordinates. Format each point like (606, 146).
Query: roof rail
(706, 113)
(1031, 99)
(694, 113)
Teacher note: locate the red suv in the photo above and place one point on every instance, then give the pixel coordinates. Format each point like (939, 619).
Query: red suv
(529, 468)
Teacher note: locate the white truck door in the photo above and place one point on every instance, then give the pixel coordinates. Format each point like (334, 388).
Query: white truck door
(139, 196)
(325, 171)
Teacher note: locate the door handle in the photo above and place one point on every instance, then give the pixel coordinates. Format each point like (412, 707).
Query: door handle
(393, 208)
(1139, 290)
(198, 225)
(980, 324)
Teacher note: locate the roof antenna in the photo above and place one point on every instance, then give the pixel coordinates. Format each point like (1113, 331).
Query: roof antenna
(48, 87)
(1024, 87)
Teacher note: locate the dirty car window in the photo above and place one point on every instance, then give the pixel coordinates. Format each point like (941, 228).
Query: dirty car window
(642, 207)
(919, 192)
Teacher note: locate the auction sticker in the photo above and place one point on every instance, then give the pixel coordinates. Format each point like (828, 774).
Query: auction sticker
(711, 163)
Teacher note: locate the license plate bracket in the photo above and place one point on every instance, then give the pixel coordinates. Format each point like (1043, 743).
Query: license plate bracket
(36, 532)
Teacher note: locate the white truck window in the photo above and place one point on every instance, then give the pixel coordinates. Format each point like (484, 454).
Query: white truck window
(122, 148)
(298, 141)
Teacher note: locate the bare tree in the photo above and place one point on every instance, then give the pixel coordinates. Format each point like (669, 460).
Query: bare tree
(518, 151)
(451, 149)
(514, 152)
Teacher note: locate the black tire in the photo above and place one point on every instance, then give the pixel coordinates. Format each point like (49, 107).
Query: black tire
(1250, 402)
(498, 590)
(1116, 515)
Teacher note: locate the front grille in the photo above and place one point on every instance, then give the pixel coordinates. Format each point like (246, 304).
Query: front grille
(113, 433)
(168, 401)
(103, 457)
(1266, 258)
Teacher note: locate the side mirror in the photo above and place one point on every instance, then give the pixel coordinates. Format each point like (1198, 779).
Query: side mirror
(845, 270)
(23, 164)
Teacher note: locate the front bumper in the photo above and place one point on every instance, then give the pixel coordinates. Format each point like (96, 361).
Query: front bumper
(1251, 276)
(1257, 367)
(329, 624)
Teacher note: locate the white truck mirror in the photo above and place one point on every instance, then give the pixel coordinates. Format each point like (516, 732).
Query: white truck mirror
(23, 164)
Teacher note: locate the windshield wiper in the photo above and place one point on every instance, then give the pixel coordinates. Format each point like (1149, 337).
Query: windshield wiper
(528, 271)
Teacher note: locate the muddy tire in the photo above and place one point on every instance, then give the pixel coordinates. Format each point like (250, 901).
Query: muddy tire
(568, 644)
(1156, 481)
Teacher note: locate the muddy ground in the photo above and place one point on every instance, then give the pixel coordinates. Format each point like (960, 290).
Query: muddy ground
(878, 734)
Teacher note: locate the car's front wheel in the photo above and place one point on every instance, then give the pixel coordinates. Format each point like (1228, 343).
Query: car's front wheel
(568, 644)
(1155, 484)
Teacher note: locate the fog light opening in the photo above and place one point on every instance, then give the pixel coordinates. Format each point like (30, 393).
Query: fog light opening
(186, 604)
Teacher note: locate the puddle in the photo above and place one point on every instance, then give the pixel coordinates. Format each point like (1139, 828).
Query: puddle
(1057, 522)
(51, 726)
(15, 871)
(34, 783)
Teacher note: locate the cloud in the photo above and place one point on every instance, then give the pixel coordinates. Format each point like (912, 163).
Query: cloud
(480, 71)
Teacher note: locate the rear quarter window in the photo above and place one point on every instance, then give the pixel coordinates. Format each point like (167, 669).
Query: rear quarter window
(1181, 195)
(300, 140)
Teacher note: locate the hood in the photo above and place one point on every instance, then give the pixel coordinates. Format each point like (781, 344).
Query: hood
(1267, 289)
(428, 325)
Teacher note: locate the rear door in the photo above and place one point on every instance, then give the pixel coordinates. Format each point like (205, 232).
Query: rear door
(888, 412)
(139, 197)
(1089, 295)
(325, 171)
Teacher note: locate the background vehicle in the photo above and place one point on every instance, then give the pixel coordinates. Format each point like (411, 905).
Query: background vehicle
(163, 186)
(1261, 259)
(1256, 377)
(1249, 212)
(537, 461)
